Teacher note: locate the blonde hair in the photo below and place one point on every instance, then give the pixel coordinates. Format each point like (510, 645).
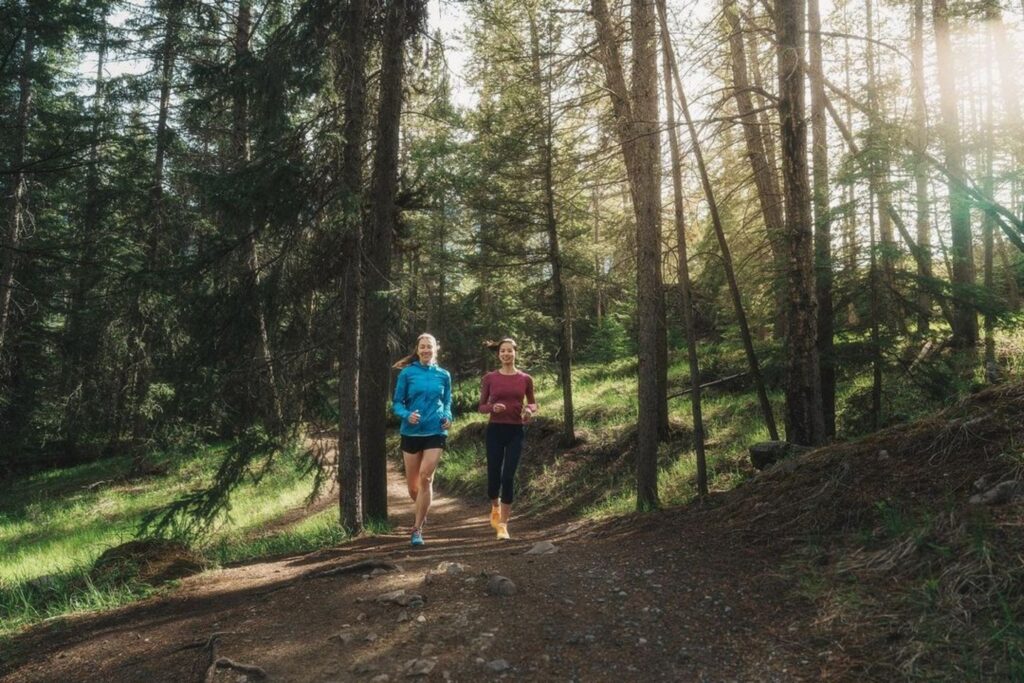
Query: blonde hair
(408, 360)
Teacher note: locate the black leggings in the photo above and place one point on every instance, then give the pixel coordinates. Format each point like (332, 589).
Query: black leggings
(504, 444)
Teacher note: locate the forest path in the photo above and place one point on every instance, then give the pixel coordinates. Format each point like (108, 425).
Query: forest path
(655, 597)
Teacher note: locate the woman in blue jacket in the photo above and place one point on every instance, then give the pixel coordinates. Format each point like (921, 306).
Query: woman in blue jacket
(423, 400)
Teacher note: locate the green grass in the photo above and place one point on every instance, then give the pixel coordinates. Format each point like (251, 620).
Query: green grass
(53, 526)
(604, 399)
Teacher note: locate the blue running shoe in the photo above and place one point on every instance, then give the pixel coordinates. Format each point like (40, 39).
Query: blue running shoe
(417, 539)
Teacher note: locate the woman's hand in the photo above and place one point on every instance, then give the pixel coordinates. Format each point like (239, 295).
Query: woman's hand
(526, 415)
(498, 408)
(445, 424)
(414, 417)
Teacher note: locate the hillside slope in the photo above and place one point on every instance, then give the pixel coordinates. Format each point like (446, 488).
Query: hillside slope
(860, 561)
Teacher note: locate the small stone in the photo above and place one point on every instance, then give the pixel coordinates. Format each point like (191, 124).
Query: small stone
(500, 585)
(379, 571)
(419, 667)
(427, 650)
(641, 641)
(1009, 491)
(371, 637)
(403, 616)
(542, 548)
(343, 637)
(479, 660)
(883, 454)
(451, 568)
(498, 665)
(364, 668)
(361, 616)
(421, 619)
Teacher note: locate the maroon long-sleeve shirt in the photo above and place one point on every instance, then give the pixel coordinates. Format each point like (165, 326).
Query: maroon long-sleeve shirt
(510, 390)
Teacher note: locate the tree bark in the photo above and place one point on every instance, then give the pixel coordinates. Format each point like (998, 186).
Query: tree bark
(685, 291)
(723, 244)
(924, 240)
(822, 225)
(250, 267)
(965, 320)
(636, 118)
(805, 424)
(564, 332)
(143, 336)
(765, 178)
(878, 165)
(350, 72)
(80, 343)
(19, 183)
(378, 245)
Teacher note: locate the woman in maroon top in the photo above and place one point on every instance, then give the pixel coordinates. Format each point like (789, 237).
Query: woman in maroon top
(507, 395)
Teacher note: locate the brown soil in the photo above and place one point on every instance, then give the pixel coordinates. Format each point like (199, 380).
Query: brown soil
(707, 592)
(657, 603)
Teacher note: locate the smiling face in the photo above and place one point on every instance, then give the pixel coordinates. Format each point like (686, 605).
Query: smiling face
(507, 353)
(426, 349)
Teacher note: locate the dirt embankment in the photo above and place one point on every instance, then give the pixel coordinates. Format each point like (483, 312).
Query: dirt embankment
(861, 561)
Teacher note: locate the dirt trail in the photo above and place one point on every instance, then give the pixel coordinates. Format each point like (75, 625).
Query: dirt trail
(657, 598)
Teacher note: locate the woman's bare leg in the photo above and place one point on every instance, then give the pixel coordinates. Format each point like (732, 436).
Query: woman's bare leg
(412, 472)
(427, 466)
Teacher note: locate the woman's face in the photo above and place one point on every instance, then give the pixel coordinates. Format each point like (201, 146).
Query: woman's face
(426, 349)
(507, 354)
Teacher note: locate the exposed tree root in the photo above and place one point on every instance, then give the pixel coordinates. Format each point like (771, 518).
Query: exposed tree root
(225, 663)
(363, 565)
(354, 568)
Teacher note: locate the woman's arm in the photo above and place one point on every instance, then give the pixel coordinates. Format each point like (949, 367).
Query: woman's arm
(485, 394)
(531, 402)
(398, 400)
(446, 398)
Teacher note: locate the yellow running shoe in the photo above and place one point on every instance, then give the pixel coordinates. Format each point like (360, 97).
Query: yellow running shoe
(503, 532)
(495, 517)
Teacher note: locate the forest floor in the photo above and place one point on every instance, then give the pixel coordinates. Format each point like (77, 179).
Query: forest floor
(756, 584)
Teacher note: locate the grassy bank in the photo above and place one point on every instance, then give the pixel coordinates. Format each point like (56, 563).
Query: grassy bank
(596, 477)
(53, 526)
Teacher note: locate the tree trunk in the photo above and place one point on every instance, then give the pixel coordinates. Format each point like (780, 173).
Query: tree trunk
(924, 239)
(965, 320)
(250, 267)
(723, 244)
(79, 342)
(19, 183)
(765, 179)
(636, 118)
(804, 422)
(878, 164)
(554, 255)
(685, 291)
(378, 244)
(988, 227)
(822, 226)
(143, 336)
(876, 314)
